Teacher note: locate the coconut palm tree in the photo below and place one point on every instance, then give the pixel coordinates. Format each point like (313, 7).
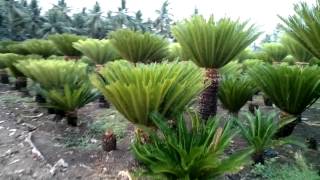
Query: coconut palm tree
(211, 45)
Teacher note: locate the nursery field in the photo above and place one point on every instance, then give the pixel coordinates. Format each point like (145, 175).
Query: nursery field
(76, 152)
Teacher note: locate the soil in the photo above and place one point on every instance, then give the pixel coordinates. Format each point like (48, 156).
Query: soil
(22, 118)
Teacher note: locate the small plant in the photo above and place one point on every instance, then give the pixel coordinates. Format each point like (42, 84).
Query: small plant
(246, 54)
(275, 51)
(234, 92)
(292, 89)
(183, 153)
(98, 51)
(259, 131)
(137, 90)
(139, 47)
(40, 47)
(63, 43)
(296, 49)
(232, 68)
(17, 48)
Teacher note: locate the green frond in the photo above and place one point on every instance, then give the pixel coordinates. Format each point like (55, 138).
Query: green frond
(232, 68)
(63, 43)
(276, 52)
(137, 90)
(292, 89)
(9, 60)
(98, 51)
(139, 47)
(296, 49)
(212, 44)
(17, 48)
(40, 47)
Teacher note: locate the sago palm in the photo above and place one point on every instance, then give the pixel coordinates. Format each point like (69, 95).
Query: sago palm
(292, 89)
(136, 90)
(44, 48)
(211, 45)
(276, 52)
(189, 153)
(63, 43)
(139, 47)
(234, 92)
(98, 51)
(296, 49)
(304, 26)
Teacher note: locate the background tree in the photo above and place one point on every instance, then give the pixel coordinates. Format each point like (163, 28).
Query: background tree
(163, 21)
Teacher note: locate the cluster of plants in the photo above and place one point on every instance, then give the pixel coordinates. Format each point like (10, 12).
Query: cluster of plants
(154, 84)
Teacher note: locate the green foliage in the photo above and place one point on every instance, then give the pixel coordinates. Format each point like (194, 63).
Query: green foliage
(8, 60)
(235, 91)
(314, 61)
(276, 52)
(296, 49)
(63, 43)
(183, 153)
(137, 90)
(304, 26)
(248, 63)
(246, 54)
(40, 47)
(98, 51)
(232, 68)
(273, 170)
(4, 45)
(139, 47)
(17, 48)
(175, 51)
(292, 89)
(290, 60)
(70, 98)
(212, 44)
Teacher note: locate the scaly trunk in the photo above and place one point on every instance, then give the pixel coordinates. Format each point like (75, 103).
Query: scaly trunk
(21, 82)
(39, 98)
(103, 103)
(209, 97)
(4, 77)
(287, 130)
(258, 157)
(109, 141)
(72, 118)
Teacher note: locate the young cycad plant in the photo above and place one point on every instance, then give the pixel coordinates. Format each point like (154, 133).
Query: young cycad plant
(304, 26)
(98, 51)
(276, 52)
(64, 42)
(246, 54)
(17, 48)
(44, 48)
(139, 47)
(64, 84)
(234, 92)
(259, 131)
(136, 90)
(184, 153)
(296, 50)
(232, 68)
(211, 45)
(292, 89)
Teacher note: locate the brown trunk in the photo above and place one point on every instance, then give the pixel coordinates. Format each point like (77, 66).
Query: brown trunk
(4, 77)
(208, 99)
(258, 157)
(21, 82)
(72, 118)
(287, 130)
(71, 58)
(103, 103)
(109, 142)
(253, 107)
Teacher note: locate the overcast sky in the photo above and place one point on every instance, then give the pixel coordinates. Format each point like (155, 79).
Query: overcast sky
(261, 12)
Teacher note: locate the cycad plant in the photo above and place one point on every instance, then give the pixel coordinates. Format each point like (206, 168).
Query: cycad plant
(64, 43)
(17, 48)
(246, 54)
(296, 49)
(211, 45)
(276, 52)
(139, 47)
(292, 89)
(259, 131)
(44, 48)
(189, 153)
(64, 84)
(4, 77)
(234, 92)
(9, 60)
(136, 90)
(98, 51)
(304, 26)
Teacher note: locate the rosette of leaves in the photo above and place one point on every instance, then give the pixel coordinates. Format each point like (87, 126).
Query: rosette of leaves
(44, 48)
(136, 90)
(276, 52)
(139, 47)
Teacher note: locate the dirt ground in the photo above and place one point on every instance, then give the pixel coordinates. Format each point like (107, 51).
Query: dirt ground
(75, 152)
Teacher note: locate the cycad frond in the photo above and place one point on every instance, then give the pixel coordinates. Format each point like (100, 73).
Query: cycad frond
(63, 43)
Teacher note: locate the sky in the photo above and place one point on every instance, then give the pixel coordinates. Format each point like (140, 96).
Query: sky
(263, 13)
